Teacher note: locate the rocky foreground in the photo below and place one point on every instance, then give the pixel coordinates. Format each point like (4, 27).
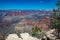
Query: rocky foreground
(26, 36)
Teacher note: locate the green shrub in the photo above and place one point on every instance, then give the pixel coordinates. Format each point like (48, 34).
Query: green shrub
(37, 32)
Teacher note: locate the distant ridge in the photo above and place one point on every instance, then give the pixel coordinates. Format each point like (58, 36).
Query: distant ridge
(24, 12)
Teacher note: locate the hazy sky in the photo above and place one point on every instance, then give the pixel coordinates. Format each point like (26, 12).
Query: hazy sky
(27, 4)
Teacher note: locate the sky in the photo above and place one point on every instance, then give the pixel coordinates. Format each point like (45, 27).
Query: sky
(27, 4)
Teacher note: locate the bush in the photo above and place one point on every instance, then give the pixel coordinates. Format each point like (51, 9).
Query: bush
(37, 32)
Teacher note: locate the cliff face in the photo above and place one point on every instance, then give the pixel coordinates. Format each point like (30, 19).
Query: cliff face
(11, 19)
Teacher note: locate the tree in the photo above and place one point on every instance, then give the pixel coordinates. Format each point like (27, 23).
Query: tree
(58, 4)
(55, 18)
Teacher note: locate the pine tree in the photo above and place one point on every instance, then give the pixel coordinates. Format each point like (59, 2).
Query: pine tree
(55, 18)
